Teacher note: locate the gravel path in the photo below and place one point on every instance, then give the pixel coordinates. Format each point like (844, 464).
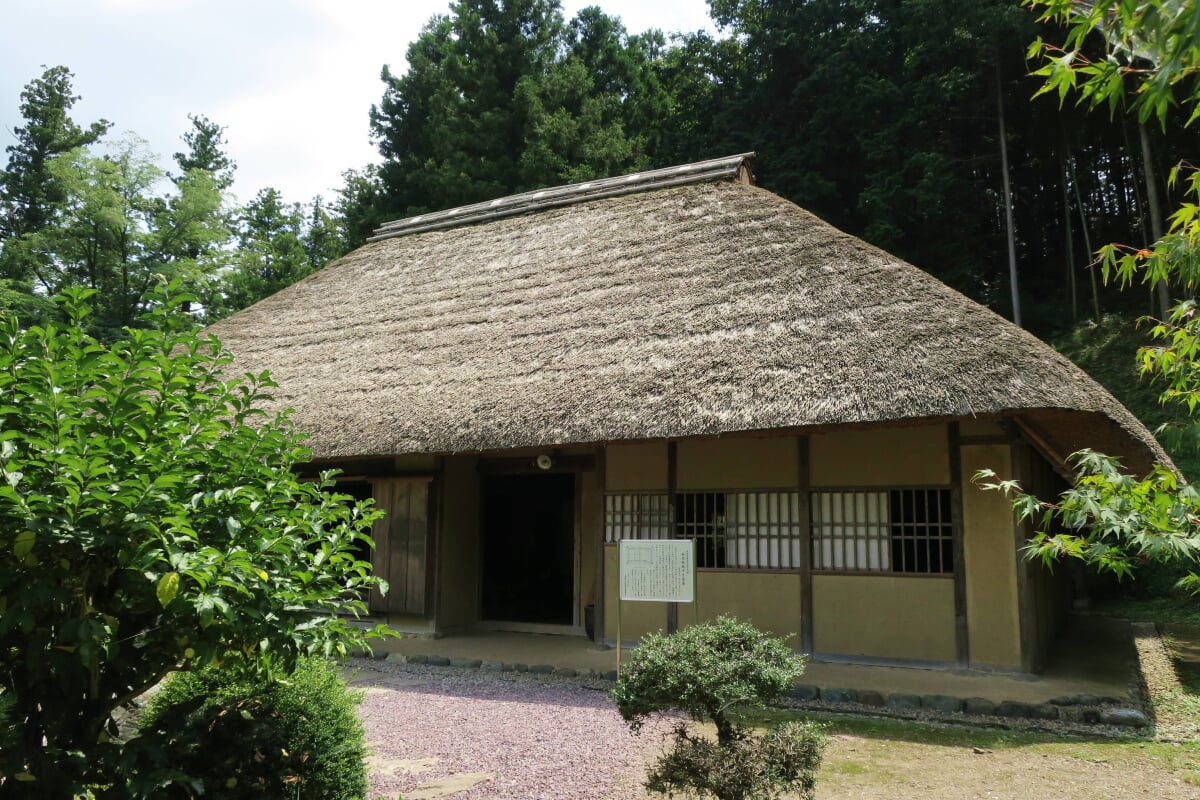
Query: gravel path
(434, 732)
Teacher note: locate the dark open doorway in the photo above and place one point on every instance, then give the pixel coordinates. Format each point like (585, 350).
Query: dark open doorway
(529, 548)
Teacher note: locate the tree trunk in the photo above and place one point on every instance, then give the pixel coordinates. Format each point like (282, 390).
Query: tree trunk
(1008, 207)
(1156, 220)
(1070, 239)
(1087, 242)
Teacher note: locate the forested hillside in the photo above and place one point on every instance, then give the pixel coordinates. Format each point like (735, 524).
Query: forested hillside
(893, 119)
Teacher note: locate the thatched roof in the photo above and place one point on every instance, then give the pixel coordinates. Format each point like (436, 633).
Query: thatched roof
(701, 308)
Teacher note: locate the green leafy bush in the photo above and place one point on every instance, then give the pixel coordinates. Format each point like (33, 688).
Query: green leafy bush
(150, 521)
(708, 671)
(237, 735)
(784, 759)
(8, 730)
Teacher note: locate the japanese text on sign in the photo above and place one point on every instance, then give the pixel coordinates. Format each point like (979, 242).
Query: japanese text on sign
(662, 570)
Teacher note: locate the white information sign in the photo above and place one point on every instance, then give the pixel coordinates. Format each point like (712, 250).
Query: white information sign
(662, 570)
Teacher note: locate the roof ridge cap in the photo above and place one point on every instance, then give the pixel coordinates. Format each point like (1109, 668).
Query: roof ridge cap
(730, 167)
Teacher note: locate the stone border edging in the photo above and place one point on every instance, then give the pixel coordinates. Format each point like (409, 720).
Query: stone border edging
(1086, 711)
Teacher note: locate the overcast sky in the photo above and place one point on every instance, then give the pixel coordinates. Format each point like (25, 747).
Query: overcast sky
(292, 80)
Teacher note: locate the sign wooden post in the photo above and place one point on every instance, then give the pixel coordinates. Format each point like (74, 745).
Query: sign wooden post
(654, 571)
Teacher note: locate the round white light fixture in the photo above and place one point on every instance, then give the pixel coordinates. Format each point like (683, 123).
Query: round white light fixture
(544, 461)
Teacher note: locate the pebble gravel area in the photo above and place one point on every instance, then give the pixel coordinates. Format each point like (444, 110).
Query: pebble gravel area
(502, 735)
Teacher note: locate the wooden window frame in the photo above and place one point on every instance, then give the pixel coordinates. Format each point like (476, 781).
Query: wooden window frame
(764, 527)
(896, 544)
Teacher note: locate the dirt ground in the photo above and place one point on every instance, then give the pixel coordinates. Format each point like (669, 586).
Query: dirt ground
(860, 767)
(522, 743)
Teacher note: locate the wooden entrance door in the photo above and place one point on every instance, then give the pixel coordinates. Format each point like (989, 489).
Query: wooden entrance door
(402, 551)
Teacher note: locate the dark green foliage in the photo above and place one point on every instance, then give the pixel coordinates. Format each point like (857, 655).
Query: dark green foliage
(113, 233)
(150, 521)
(30, 193)
(9, 735)
(273, 252)
(77, 214)
(1108, 352)
(881, 117)
(783, 760)
(238, 736)
(503, 97)
(709, 671)
(206, 151)
(705, 671)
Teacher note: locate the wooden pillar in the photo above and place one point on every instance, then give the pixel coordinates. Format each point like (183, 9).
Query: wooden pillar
(806, 586)
(672, 464)
(598, 597)
(962, 652)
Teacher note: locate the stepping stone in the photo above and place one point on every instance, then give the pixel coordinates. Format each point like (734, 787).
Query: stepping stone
(378, 765)
(1011, 708)
(904, 702)
(1127, 717)
(838, 695)
(804, 692)
(1045, 711)
(943, 703)
(451, 784)
(979, 706)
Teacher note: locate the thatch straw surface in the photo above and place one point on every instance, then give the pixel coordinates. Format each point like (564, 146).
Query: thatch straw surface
(695, 310)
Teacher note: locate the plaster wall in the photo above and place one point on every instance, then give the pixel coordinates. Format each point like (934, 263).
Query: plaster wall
(877, 616)
(636, 467)
(910, 456)
(989, 535)
(770, 600)
(737, 463)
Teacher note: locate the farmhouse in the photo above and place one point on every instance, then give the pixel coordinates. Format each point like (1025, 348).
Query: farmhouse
(679, 354)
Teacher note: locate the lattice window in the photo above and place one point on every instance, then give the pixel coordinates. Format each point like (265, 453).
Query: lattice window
(636, 516)
(896, 530)
(701, 516)
(763, 530)
(922, 531)
(731, 529)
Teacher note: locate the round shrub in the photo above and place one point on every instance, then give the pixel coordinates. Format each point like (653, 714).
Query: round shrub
(705, 671)
(237, 736)
(783, 760)
(708, 671)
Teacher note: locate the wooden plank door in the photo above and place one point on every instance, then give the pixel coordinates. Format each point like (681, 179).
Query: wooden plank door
(402, 545)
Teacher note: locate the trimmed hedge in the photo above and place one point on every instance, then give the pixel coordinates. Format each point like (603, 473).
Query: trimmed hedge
(235, 736)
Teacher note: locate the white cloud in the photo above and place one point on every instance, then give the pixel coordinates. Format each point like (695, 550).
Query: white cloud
(292, 80)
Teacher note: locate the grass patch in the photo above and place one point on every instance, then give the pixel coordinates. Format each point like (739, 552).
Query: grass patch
(1182, 707)
(846, 767)
(1170, 606)
(911, 760)
(1097, 750)
(899, 730)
